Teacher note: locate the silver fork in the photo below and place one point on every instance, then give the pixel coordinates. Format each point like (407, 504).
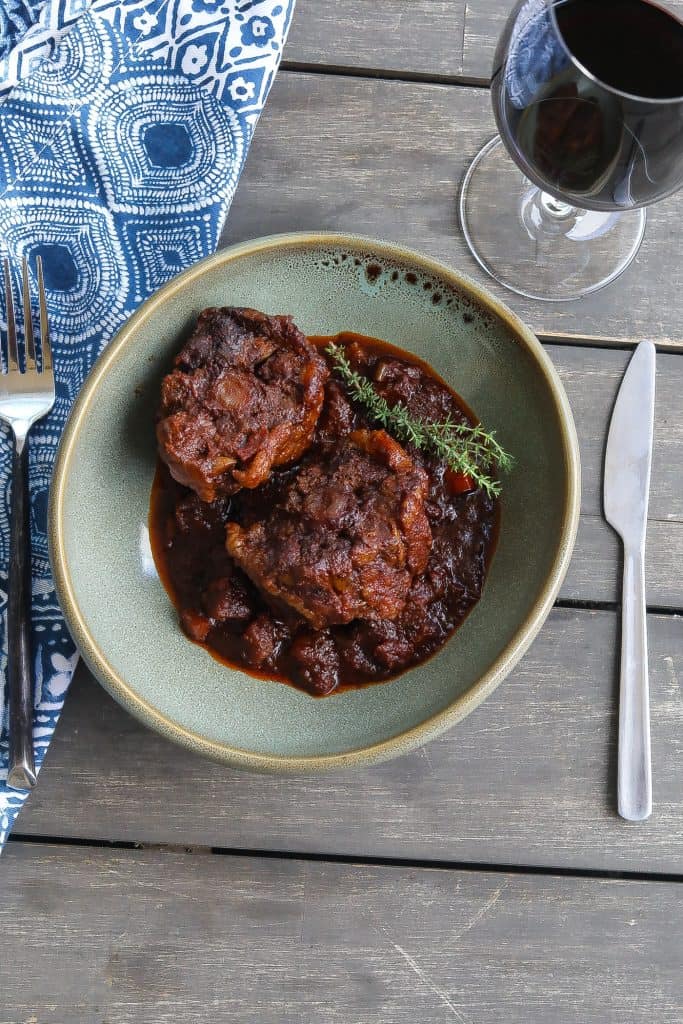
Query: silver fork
(26, 395)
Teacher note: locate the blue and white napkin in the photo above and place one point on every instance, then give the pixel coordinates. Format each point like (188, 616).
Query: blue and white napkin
(124, 125)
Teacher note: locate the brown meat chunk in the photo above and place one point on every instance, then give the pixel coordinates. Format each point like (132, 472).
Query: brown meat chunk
(245, 395)
(226, 600)
(337, 418)
(316, 661)
(262, 640)
(196, 625)
(425, 397)
(346, 535)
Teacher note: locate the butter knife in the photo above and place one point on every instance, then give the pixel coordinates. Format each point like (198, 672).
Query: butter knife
(626, 490)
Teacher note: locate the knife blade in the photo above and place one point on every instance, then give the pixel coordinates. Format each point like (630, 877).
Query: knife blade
(629, 447)
(626, 488)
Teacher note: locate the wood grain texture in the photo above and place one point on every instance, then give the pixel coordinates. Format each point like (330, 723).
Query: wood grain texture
(398, 36)
(591, 377)
(595, 569)
(153, 937)
(527, 779)
(442, 38)
(387, 158)
(484, 21)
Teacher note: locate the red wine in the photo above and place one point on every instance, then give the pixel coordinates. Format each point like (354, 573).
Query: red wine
(588, 95)
(629, 45)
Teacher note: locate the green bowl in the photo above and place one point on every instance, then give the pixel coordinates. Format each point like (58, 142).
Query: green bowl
(118, 611)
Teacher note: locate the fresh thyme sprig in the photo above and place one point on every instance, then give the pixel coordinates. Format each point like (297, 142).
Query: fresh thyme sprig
(465, 449)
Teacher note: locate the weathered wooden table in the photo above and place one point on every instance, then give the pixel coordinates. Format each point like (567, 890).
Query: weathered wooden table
(487, 877)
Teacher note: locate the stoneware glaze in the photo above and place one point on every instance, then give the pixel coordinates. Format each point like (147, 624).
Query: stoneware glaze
(118, 611)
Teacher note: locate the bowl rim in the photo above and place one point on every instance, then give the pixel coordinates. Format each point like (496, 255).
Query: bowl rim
(462, 705)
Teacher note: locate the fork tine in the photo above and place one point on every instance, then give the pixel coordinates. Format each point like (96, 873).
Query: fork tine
(12, 351)
(29, 346)
(46, 349)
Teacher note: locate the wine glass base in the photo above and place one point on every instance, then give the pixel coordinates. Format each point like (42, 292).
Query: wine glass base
(534, 245)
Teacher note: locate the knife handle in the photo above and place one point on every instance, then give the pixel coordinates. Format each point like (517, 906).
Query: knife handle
(634, 789)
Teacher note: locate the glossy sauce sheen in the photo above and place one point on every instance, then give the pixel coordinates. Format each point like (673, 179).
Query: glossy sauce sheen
(188, 543)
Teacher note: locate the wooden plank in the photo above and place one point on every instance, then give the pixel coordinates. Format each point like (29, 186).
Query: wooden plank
(528, 778)
(484, 22)
(154, 937)
(442, 38)
(387, 158)
(418, 36)
(595, 570)
(591, 377)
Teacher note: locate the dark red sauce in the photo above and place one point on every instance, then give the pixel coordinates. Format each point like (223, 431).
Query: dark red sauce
(187, 537)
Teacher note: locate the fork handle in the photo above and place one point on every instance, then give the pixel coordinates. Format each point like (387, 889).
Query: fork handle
(22, 769)
(634, 782)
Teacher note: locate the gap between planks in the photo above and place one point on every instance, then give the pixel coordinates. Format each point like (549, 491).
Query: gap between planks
(663, 345)
(410, 863)
(382, 74)
(610, 606)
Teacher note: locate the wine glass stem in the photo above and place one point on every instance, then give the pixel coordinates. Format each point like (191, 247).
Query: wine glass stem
(554, 207)
(545, 218)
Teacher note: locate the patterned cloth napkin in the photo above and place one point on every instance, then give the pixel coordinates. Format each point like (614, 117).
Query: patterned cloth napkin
(124, 125)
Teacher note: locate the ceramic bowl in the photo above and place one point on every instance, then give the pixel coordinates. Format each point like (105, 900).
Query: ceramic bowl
(118, 611)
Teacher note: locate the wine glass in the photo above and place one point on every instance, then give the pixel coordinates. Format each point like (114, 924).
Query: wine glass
(588, 99)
